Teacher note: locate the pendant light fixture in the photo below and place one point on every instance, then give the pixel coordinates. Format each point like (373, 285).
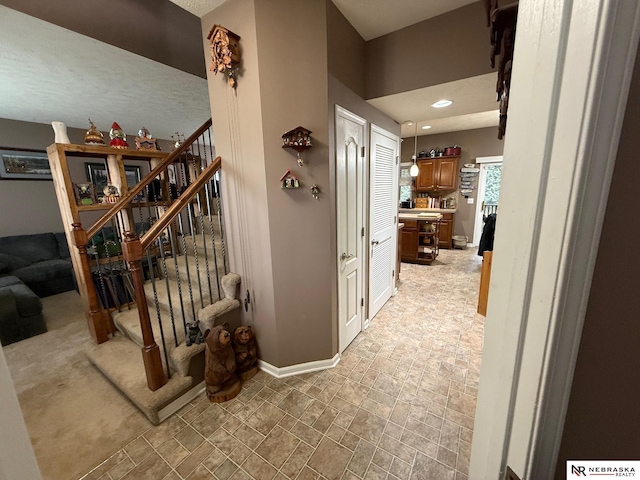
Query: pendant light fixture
(414, 170)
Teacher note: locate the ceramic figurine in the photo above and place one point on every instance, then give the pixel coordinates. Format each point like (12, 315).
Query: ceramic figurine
(60, 131)
(194, 335)
(93, 135)
(118, 137)
(145, 141)
(220, 366)
(244, 344)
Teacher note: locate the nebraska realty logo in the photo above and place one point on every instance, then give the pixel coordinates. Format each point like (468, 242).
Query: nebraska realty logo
(603, 468)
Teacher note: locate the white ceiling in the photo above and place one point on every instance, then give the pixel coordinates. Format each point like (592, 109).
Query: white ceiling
(54, 74)
(474, 106)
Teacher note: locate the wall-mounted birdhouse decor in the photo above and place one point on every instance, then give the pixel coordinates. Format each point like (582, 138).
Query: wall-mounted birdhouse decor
(289, 180)
(225, 53)
(299, 139)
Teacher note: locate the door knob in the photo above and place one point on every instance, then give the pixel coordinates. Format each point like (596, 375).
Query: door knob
(374, 242)
(344, 256)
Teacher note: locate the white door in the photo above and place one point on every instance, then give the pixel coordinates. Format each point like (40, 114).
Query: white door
(383, 211)
(350, 176)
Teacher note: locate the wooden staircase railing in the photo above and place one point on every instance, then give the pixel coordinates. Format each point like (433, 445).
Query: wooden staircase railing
(193, 162)
(133, 249)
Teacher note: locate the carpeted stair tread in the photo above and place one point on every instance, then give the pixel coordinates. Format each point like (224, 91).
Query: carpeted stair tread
(203, 244)
(120, 360)
(190, 260)
(170, 290)
(128, 323)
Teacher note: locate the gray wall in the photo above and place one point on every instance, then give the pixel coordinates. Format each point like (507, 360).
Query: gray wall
(156, 29)
(448, 47)
(31, 206)
(346, 51)
(294, 92)
(481, 142)
(603, 415)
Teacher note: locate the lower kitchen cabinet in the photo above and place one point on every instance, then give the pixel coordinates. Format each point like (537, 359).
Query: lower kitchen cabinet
(409, 240)
(446, 230)
(420, 242)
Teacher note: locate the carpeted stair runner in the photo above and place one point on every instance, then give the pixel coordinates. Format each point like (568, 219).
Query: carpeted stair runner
(120, 360)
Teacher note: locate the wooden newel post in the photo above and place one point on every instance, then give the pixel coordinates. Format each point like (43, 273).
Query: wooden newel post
(133, 254)
(98, 324)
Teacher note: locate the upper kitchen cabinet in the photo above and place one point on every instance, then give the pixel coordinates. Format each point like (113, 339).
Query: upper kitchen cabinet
(438, 174)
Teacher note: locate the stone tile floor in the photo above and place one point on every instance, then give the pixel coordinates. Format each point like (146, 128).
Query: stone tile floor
(400, 404)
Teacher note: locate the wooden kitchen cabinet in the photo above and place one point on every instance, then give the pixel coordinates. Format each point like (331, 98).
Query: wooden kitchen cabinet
(446, 230)
(420, 242)
(438, 174)
(409, 240)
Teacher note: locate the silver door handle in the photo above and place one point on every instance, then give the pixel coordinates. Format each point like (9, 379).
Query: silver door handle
(374, 242)
(344, 256)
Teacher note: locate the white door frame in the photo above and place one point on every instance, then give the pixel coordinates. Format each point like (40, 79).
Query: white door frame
(340, 111)
(482, 186)
(17, 459)
(572, 67)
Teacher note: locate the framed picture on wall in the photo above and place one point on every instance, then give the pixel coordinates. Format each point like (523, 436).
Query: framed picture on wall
(97, 174)
(24, 164)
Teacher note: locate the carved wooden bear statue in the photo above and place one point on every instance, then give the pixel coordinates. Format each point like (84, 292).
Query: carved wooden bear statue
(220, 365)
(244, 343)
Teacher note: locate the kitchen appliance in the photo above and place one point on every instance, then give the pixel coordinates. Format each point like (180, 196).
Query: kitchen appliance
(406, 204)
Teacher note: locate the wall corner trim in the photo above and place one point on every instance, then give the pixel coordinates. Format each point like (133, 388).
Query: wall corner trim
(308, 367)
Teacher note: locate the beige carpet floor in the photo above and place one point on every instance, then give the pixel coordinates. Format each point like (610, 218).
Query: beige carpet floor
(75, 417)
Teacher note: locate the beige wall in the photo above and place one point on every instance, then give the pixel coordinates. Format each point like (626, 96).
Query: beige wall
(448, 47)
(481, 142)
(294, 92)
(346, 51)
(283, 241)
(237, 124)
(603, 415)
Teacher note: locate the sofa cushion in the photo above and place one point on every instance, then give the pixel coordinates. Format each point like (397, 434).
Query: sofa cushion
(32, 248)
(7, 280)
(43, 271)
(27, 302)
(63, 246)
(10, 262)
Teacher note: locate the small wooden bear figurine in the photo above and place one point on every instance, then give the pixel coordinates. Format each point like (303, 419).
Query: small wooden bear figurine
(220, 365)
(244, 344)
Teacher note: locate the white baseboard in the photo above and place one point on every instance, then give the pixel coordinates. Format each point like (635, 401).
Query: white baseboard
(168, 410)
(282, 372)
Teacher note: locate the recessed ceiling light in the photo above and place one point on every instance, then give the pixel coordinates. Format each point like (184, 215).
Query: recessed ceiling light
(442, 103)
(407, 122)
(426, 127)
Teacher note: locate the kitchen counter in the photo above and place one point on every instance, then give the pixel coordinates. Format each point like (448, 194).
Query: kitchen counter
(416, 216)
(432, 210)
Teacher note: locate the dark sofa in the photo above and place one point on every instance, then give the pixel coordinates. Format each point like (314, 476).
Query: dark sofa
(31, 266)
(42, 261)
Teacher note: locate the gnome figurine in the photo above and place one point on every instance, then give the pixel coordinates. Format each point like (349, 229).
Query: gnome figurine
(118, 137)
(220, 365)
